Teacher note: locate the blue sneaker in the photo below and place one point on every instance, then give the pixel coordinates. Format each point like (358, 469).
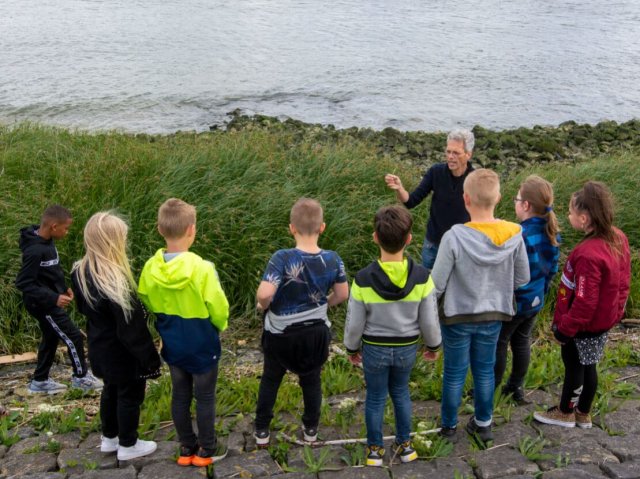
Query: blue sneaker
(87, 383)
(48, 386)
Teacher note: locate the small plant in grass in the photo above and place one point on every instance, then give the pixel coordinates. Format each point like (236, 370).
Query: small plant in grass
(531, 448)
(53, 446)
(562, 460)
(502, 406)
(429, 445)
(354, 455)
(279, 452)
(346, 413)
(7, 429)
(90, 465)
(319, 464)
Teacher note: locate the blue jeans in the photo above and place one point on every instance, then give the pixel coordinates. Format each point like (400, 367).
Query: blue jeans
(469, 344)
(387, 370)
(429, 253)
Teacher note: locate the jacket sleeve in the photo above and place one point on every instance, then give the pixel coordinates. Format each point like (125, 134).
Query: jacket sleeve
(27, 280)
(422, 191)
(215, 299)
(444, 263)
(522, 274)
(585, 297)
(429, 322)
(135, 335)
(356, 320)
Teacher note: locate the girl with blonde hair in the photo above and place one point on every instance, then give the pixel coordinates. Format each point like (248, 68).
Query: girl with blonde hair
(121, 350)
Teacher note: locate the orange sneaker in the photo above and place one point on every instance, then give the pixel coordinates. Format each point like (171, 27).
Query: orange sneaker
(205, 457)
(186, 456)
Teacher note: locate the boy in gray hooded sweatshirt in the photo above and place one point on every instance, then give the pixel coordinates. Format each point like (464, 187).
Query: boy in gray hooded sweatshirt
(479, 265)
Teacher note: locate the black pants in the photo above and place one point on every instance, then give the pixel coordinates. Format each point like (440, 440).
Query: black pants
(56, 326)
(580, 381)
(120, 410)
(516, 332)
(186, 386)
(303, 351)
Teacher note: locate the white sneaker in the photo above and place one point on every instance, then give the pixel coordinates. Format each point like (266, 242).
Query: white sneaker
(109, 444)
(87, 383)
(139, 449)
(48, 386)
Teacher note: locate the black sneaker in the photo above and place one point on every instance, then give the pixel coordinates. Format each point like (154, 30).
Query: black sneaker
(449, 433)
(310, 434)
(262, 438)
(406, 452)
(482, 432)
(374, 456)
(517, 394)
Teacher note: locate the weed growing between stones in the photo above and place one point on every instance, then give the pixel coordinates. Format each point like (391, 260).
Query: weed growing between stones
(428, 445)
(7, 429)
(354, 455)
(531, 448)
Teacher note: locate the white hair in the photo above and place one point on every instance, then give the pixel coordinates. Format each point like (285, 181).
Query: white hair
(465, 136)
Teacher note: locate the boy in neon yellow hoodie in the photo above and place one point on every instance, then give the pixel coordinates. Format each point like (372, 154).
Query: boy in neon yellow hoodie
(184, 292)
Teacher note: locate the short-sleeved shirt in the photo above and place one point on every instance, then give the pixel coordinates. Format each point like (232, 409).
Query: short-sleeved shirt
(302, 279)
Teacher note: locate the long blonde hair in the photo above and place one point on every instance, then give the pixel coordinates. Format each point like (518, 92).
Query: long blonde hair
(106, 262)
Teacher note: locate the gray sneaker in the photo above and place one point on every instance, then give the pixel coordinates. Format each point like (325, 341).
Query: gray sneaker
(48, 386)
(87, 383)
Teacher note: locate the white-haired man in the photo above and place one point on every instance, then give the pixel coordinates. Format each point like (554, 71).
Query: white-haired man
(445, 180)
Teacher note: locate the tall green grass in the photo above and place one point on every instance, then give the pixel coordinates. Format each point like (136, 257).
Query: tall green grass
(243, 185)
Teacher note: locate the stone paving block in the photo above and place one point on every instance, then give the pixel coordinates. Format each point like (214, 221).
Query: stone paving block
(414, 470)
(76, 461)
(332, 459)
(3, 451)
(625, 448)
(297, 475)
(448, 466)
(38, 462)
(626, 470)
(235, 444)
(166, 470)
(562, 435)
(501, 462)
(166, 452)
(252, 464)
(585, 451)
(574, 473)
(126, 473)
(622, 422)
(91, 441)
(357, 473)
(41, 475)
(511, 433)
(42, 443)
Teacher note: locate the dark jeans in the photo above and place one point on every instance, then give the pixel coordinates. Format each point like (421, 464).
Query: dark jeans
(580, 382)
(203, 387)
(56, 325)
(518, 333)
(120, 410)
(279, 353)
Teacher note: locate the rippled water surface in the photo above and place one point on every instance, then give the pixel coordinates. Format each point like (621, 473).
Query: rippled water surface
(164, 65)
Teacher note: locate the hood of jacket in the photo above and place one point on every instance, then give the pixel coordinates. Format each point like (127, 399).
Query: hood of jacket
(176, 273)
(29, 237)
(388, 279)
(493, 245)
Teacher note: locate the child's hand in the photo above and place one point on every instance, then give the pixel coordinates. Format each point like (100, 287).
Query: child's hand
(63, 301)
(393, 181)
(70, 294)
(355, 359)
(430, 355)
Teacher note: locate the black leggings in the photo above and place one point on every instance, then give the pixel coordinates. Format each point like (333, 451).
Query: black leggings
(580, 381)
(120, 410)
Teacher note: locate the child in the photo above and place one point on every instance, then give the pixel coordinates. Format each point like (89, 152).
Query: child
(121, 350)
(479, 265)
(392, 303)
(184, 292)
(534, 208)
(45, 294)
(591, 300)
(295, 292)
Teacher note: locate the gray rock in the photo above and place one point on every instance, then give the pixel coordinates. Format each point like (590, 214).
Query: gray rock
(449, 466)
(585, 451)
(252, 464)
(622, 421)
(92, 441)
(166, 452)
(627, 470)
(166, 470)
(25, 432)
(413, 470)
(501, 462)
(625, 448)
(235, 443)
(356, 473)
(38, 462)
(126, 473)
(571, 473)
(3, 450)
(512, 432)
(41, 475)
(44, 442)
(77, 461)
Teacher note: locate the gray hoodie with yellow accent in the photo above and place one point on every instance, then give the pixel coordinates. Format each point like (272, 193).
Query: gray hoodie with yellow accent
(478, 268)
(392, 304)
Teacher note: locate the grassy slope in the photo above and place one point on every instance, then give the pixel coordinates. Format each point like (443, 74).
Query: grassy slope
(243, 184)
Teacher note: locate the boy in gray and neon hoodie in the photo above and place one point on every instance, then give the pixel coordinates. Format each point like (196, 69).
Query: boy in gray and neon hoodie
(478, 268)
(392, 304)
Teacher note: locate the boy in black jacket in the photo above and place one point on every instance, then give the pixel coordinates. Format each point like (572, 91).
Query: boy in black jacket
(45, 294)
